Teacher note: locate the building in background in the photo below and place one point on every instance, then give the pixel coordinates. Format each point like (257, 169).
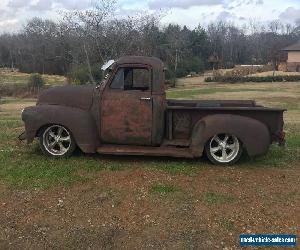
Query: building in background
(293, 57)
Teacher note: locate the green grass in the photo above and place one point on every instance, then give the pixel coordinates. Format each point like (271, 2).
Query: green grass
(31, 169)
(164, 189)
(24, 165)
(279, 156)
(212, 198)
(293, 141)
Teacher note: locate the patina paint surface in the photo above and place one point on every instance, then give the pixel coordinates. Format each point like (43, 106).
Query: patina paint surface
(69, 96)
(145, 123)
(126, 117)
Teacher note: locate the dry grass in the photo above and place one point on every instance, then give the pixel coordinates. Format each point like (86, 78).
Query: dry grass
(189, 81)
(18, 78)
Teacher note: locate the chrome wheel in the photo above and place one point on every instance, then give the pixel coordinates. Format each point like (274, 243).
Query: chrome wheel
(224, 148)
(57, 140)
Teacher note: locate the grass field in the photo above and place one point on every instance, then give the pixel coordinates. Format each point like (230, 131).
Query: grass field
(17, 78)
(16, 83)
(149, 203)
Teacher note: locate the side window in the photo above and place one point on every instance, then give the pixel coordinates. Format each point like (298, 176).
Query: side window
(132, 79)
(118, 81)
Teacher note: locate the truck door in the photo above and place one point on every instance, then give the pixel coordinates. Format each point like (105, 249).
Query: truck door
(126, 107)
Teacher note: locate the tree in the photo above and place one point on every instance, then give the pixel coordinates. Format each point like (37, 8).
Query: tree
(83, 40)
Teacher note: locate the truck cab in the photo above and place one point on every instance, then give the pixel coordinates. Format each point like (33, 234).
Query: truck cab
(133, 102)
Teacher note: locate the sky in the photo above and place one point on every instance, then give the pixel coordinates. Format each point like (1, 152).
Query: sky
(15, 13)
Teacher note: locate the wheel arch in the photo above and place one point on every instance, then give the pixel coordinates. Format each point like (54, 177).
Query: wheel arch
(253, 134)
(79, 122)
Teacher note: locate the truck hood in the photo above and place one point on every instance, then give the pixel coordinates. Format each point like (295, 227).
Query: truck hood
(71, 96)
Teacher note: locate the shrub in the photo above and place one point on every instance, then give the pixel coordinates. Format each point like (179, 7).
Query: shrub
(235, 79)
(194, 64)
(35, 82)
(80, 74)
(97, 72)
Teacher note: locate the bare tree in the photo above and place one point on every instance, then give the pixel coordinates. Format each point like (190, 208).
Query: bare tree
(85, 39)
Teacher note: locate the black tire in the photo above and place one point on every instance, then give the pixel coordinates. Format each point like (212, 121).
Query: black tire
(235, 154)
(69, 145)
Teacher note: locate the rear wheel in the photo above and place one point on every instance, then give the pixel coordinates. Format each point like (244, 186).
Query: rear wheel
(224, 149)
(57, 141)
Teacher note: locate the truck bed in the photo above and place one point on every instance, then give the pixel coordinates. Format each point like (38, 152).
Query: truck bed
(182, 115)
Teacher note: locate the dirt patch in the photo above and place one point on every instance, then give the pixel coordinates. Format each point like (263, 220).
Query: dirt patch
(117, 210)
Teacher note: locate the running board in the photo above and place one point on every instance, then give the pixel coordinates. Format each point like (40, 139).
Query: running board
(146, 151)
(177, 143)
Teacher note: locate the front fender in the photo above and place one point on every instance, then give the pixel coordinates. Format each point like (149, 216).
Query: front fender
(253, 134)
(79, 122)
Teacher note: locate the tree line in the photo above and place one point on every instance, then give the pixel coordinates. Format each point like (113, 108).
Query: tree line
(78, 44)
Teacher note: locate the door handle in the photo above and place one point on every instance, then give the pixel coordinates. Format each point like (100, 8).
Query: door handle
(145, 98)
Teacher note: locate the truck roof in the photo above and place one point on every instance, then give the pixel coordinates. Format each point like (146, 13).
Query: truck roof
(151, 61)
(157, 69)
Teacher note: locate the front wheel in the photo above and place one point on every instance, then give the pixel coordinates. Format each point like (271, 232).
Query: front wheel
(57, 141)
(224, 149)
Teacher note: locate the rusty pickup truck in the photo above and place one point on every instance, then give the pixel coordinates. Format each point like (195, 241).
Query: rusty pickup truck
(128, 114)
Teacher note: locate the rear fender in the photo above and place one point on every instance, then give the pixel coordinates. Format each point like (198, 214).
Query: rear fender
(79, 122)
(253, 134)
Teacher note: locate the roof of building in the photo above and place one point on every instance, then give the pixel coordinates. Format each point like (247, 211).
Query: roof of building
(294, 47)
